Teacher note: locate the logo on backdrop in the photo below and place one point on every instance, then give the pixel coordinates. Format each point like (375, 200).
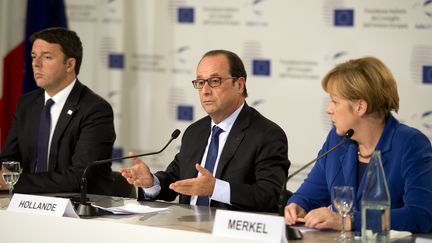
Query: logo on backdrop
(427, 74)
(423, 18)
(181, 57)
(179, 106)
(185, 113)
(256, 16)
(421, 64)
(116, 61)
(336, 14)
(256, 103)
(261, 67)
(186, 15)
(343, 17)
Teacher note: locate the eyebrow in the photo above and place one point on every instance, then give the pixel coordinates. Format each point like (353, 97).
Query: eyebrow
(211, 75)
(44, 52)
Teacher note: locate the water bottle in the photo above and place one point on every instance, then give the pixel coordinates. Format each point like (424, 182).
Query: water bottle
(375, 203)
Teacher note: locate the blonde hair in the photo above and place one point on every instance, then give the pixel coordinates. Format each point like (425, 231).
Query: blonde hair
(365, 79)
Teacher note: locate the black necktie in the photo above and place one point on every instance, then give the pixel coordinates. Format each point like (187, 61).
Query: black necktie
(212, 154)
(43, 137)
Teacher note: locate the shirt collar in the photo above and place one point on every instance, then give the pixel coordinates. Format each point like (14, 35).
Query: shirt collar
(227, 124)
(60, 97)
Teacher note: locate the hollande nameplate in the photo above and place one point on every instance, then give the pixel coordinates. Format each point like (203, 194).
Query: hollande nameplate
(52, 206)
(249, 226)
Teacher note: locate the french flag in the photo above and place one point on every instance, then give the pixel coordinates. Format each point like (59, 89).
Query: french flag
(23, 17)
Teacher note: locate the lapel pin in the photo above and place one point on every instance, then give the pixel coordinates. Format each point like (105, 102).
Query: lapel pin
(69, 112)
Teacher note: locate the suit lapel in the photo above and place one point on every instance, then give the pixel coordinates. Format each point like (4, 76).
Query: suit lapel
(69, 109)
(234, 139)
(201, 138)
(384, 144)
(33, 135)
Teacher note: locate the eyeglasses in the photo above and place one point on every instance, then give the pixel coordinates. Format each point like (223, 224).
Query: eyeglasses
(212, 82)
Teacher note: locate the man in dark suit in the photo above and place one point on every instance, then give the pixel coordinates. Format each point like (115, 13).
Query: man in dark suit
(55, 142)
(250, 162)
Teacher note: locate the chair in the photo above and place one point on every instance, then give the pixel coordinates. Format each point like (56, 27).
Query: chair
(122, 188)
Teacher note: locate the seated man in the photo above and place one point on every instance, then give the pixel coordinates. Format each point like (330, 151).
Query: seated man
(62, 127)
(233, 158)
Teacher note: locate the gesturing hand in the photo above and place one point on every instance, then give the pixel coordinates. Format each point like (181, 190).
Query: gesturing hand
(139, 174)
(202, 185)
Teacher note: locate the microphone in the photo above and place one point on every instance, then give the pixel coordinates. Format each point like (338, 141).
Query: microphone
(85, 209)
(291, 233)
(347, 135)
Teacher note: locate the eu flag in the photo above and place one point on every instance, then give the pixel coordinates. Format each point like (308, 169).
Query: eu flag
(344, 17)
(427, 74)
(116, 61)
(185, 15)
(261, 67)
(184, 113)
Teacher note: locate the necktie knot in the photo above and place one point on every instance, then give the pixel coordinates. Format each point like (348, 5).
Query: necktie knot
(216, 131)
(49, 103)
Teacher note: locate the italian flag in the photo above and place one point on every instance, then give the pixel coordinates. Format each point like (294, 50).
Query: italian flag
(18, 20)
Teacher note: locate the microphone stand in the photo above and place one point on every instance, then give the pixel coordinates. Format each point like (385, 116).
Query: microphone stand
(291, 233)
(85, 209)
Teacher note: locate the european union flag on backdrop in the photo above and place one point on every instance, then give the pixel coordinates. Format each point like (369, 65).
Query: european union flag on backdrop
(344, 17)
(41, 14)
(116, 61)
(261, 67)
(427, 74)
(185, 113)
(185, 15)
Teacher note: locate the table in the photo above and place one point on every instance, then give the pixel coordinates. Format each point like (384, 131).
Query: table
(180, 223)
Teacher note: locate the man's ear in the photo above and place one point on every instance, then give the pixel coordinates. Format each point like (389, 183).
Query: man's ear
(70, 64)
(241, 84)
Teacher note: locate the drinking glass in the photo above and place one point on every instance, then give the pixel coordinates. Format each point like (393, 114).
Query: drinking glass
(343, 197)
(11, 171)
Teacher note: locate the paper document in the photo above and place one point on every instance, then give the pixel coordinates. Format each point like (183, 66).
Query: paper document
(132, 209)
(394, 234)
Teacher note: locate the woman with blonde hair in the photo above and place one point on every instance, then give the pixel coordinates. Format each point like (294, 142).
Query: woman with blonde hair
(363, 94)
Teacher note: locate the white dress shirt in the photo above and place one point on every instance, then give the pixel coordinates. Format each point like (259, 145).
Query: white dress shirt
(222, 190)
(59, 101)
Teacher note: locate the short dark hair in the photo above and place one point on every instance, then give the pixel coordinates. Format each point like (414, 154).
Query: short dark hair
(68, 40)
(237, 68)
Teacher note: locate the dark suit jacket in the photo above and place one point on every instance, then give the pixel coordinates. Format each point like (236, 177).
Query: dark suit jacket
(406, 156)
(254, 161)
(81, 137)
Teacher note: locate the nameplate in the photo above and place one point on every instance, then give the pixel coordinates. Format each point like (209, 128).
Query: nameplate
(249, 226)
(51, 206)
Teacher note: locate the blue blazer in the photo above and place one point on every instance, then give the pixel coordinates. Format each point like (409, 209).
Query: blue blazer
(407, 160)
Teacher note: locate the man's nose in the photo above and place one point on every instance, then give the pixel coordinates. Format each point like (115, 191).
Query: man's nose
(36, 62)
(206, 89)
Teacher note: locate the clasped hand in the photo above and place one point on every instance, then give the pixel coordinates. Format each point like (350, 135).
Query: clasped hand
(319, 218)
